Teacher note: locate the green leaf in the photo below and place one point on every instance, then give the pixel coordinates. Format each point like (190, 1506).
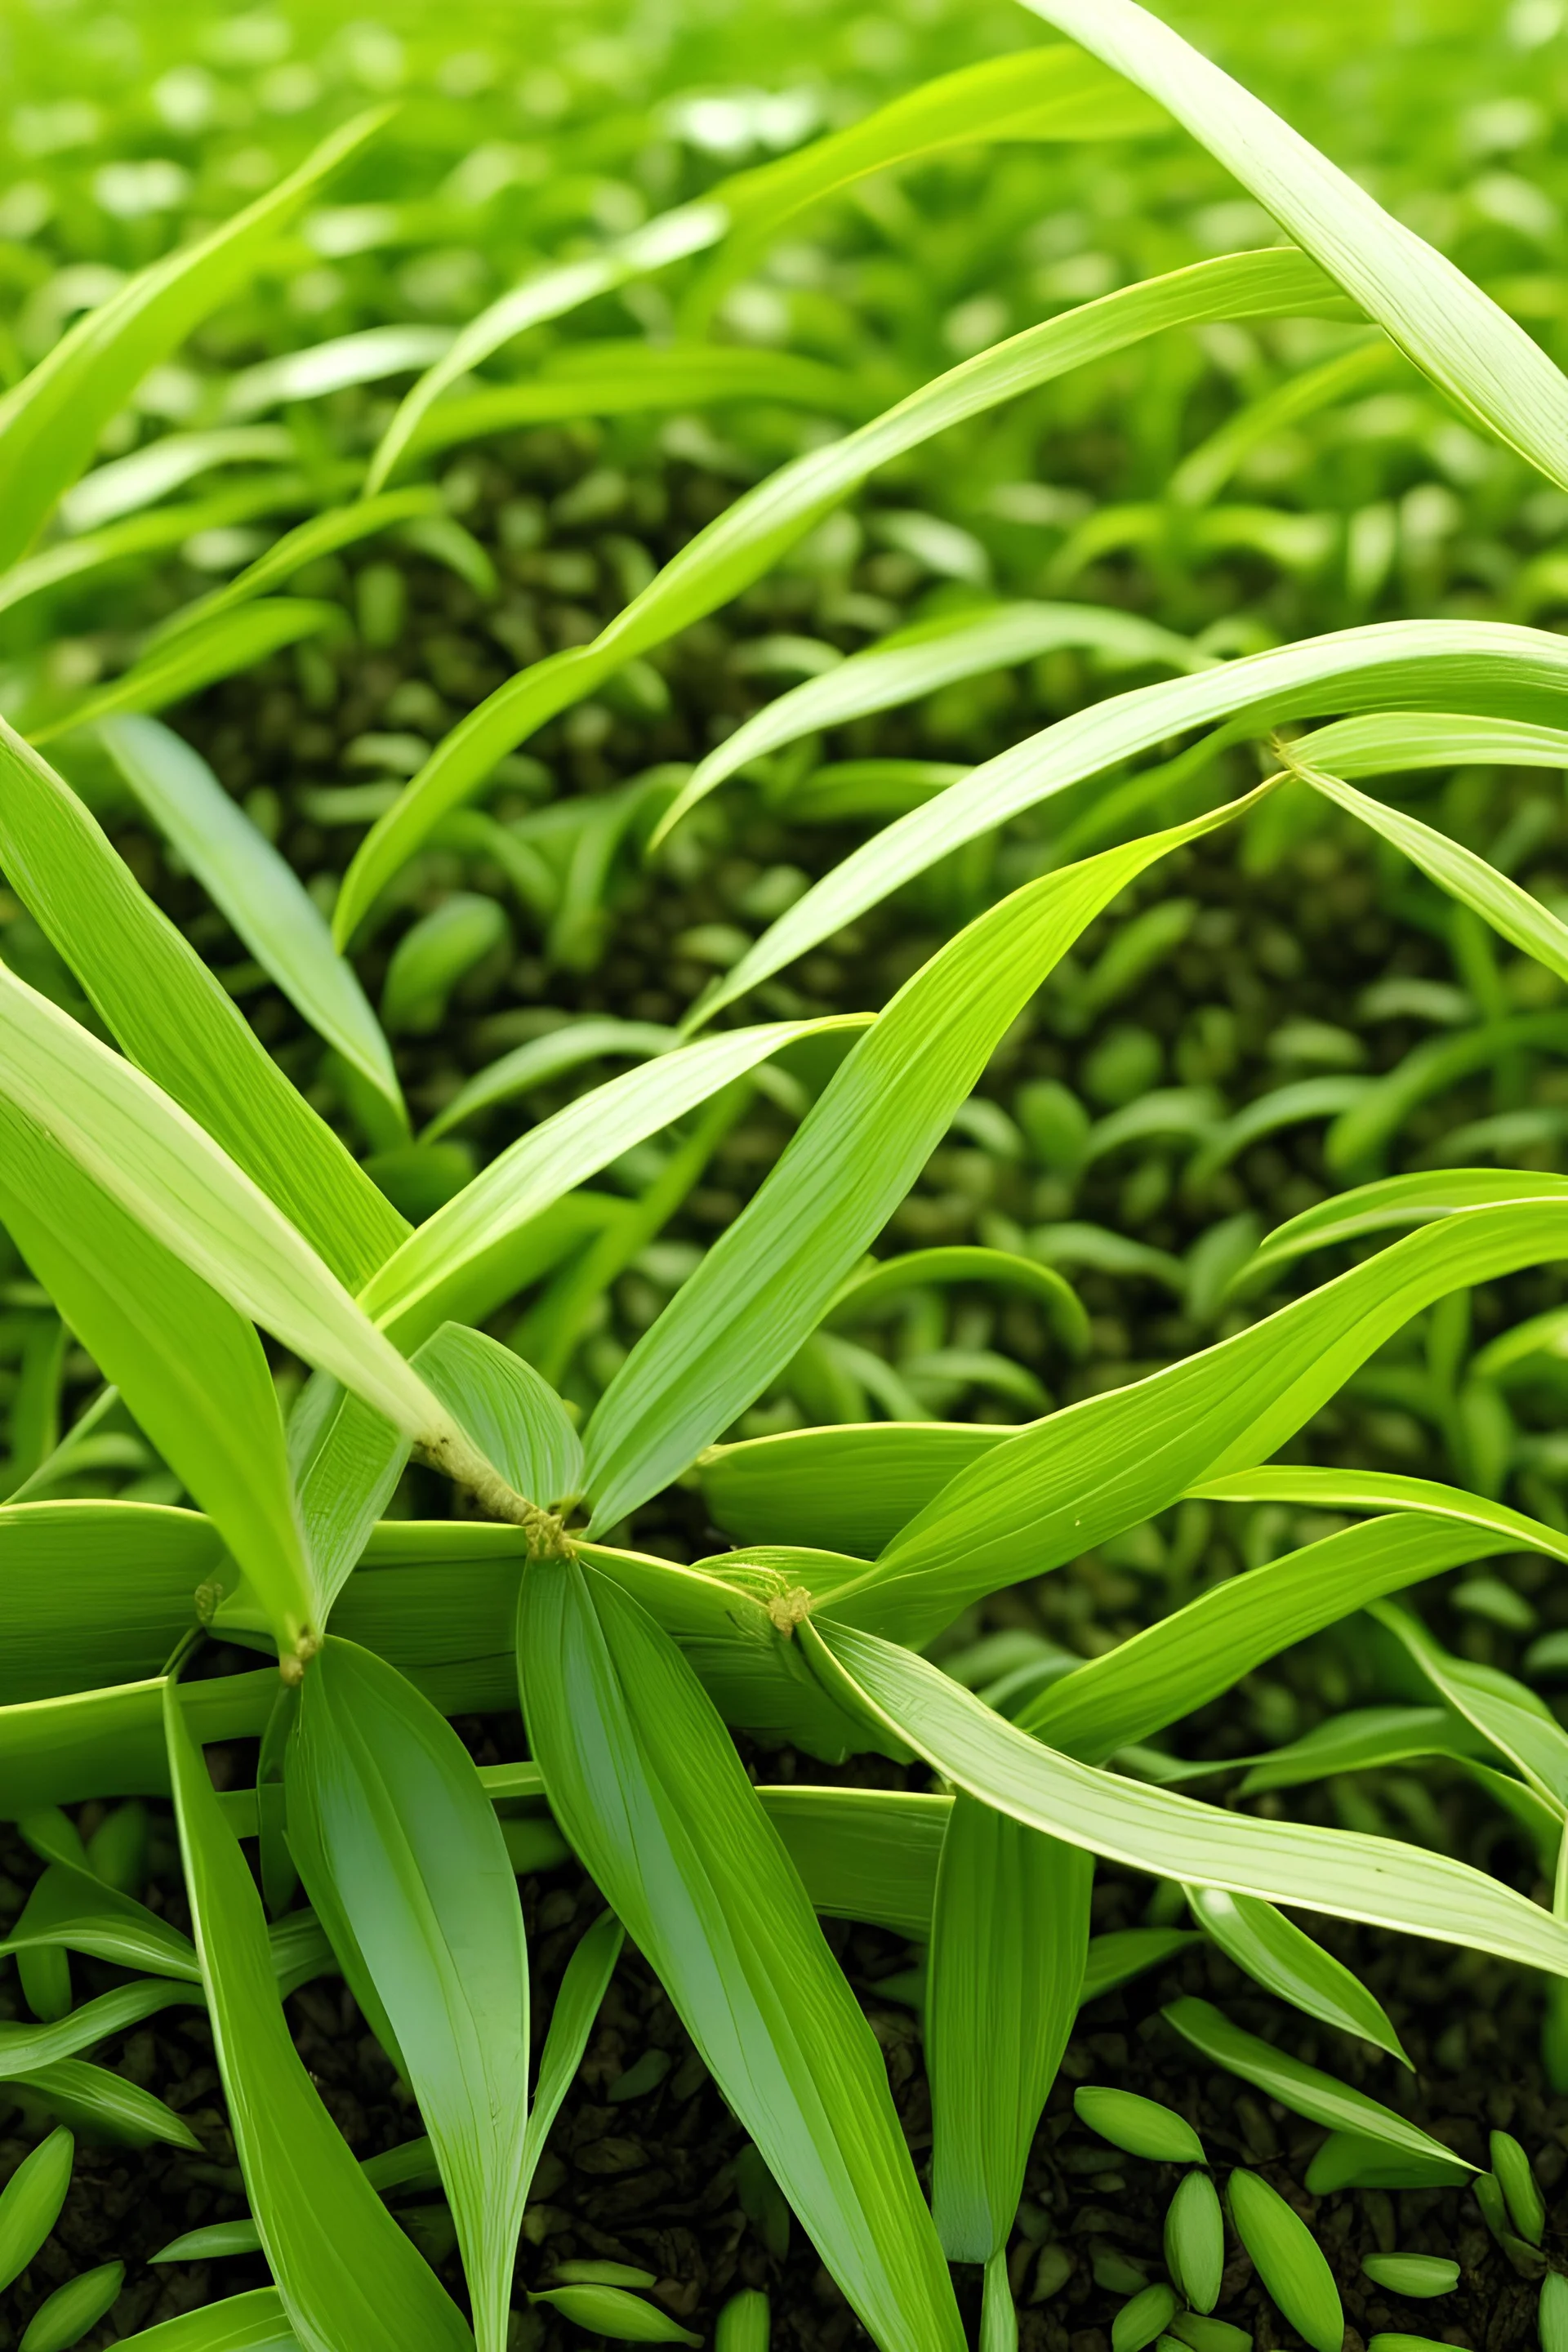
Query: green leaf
(512, 1414)
(173, 668)
(31, 2199)
(175, 1019)
(1418, 2275)
(25, 2047)
(551, 1056)
(1521, 2191)
(1494, 667)
(1336, 1871)
(1009, 1936)
(578, 2001)
(1115, 1959)
(1280, 1957)
(1288, 2259)
(1141, 2126)
(71, 1908)
(1413, 1200)
(650, 1791)
(855, 1485)
(764, 1284)
(240, 2323)
(50, 422)
(554, 1158)
(918, 661)
(1303, 2089)
(92, 1589)
(126, 485)
(211, 2244)
(1139, 2322)
(610, 2311)
(346, 1460)
(749, 536)
(1436, 315)
(322, 534)
(258, 890)
(104, 2106)
(1065, 1482)
(1521, 1726)
(190, 1368)
(883, 1279)
(68, 560)
(64, 2317)
(1363, 1738)
(1195, 2240)
(386, 1812)
(345, 2272)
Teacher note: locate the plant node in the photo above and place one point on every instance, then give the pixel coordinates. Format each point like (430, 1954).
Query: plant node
(790, 1609)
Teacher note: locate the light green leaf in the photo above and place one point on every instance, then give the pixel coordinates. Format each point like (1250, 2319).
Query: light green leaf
(50, 422)
(1289, 2260)
(551, 1056)
(146, 534)
(917, 661)
(611, 2311)
(1305, 2090)
(322, 534)
(345, 2272)
(25, 2046)
(649, 1788)
(882, 1278)
(30, 2202)
(513, 1416)
(1521, 1726)
(92, 1589)
(259, 892)
(126, 485)
(577, 2003)
(385, 1809)
(1440, 318)
(1383, 1490)
(1517, 672)
(1393, 1200)
(190, 1368)
(1195, 2241)
(64, 2317)
(173, 1018)
(240, 2323)
(1111, 1461)
(550, 1162)
(1284, 1959)
(1336, 1871)
(1009, 1937)
(368, 357)
(104, 2106)
(171, 669)
(748, 536)
(1143, 2126)
(763, 1285)
(346, 1460)
(1363, 1738)
(857, 1485)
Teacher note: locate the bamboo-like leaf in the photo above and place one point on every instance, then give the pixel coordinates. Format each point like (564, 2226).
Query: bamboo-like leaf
(1440, 318)
(1384, 1490)
(1340, 1872)
(1306, 2090)
(51, 420)
(856, 1485)
(25, 2047)
(748, 536)
(240, 2323)
(322, 534)
(385, 1807)
(1394, 1200)
(512, 1414)
(1111, 1461)
(763, 1287)
(882, 1278)
(127, 484)
(1184, 1660)
(68, 560)
(651, 1794)
(554, 1158)
(551, 1056)
(180, 666)
(175, 1019)
(345, 2272)
(1521, 1726)
(1363, 1738)
(258, 891)
(577, 2003)
(1009, 1937)
(1284, 1959)
(191, 1368)
(104, 2106)
(918, 661)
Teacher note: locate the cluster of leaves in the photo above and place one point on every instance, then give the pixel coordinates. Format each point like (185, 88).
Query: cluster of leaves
(174, 1195)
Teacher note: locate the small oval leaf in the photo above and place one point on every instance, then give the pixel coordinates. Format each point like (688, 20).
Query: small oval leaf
(1143, 2126)
(1288, 2261)
(1413, 2274)
(1195, 2241)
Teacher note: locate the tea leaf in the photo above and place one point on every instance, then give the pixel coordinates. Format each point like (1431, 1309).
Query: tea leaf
(1009, 1934)
(256, 889)
(647, 1786)
(1289, 2260)
(344, 2270)
(1280, 1957)
(393, 1833)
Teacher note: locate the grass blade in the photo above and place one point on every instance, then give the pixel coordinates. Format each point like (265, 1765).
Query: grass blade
(649, 1790)
(385, 1809)
(1521, 1726)
(1305, 2090)
(551, 1056)
(50, 422)
(1284, 1959)
(26, 2046)
(181, 666)
(344, 2270)
(239, 2323)
(256, 889)
(577, 2003)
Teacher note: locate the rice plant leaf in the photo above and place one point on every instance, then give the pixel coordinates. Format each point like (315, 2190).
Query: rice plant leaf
(1110, 1463)
(512, 1414)
(1514, 672)
(748, 536)
(345, 2272)
(171, 669)
(1384, 743)
(189, 1366)
(550, 1160)
(256, 889)
(1509, 909)
(1520, 1725)
(764, 1286)
(1340, 1872)
(175, 1019)
(917, 661)
(1009, 1937)
(891, 1278)
(100, 2104)
(578, 2001)
(384, 1804)
(49, 423)
(1393, 1200)
(1190, 1657)
(648, 1787)
(132, 1142)
(1289, 2260)
(25, 2046)
(1437, 316)
(1362, 1739)
(255, 2322)
(1279, 1956)
(31, 2199)
(541, 1059)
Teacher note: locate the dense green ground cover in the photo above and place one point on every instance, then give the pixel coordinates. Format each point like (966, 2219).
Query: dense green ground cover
(1270, 1016)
